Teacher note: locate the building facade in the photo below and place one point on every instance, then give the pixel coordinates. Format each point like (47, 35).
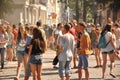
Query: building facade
(104, 12)
(28, 11)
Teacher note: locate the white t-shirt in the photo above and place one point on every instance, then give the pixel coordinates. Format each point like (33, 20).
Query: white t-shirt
(67, 41)
(3, 37)
(59, 32)
(21, 45)
(109, 47)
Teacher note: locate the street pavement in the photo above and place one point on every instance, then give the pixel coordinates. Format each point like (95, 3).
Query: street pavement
(49, 73)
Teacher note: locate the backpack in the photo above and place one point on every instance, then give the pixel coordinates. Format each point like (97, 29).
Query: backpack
(102, 41)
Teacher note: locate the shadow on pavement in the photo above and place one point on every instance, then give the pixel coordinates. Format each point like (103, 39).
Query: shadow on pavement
(3, 77)
(49, 69)
(50, 73)
(48, 61)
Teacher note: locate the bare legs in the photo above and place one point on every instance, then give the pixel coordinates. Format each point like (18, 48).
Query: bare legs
(104, 65)
(97, 57)
(9, 54)
(80, 74)
(111, 56)
(36, 71)
(24, 60)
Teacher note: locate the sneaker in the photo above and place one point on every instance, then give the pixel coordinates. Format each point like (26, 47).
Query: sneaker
(15, 78)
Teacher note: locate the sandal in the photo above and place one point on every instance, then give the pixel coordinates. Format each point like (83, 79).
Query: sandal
(112, 75)
(100, 65)
(96, 66)
(15, 78)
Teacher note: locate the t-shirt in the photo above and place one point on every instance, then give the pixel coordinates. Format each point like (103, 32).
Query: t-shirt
(3, 37)
(28, 40)
(21, 45)
(43, 32)
(10, 37)
(85, 43)
(73, 32)
(35, 49)
(94, 37)
(109, 46)
(58, 32)
(67, 41)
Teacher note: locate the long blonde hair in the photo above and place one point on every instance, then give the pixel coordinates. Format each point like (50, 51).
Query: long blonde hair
(2, 28)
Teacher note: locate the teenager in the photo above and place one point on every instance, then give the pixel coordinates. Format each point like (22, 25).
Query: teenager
(37, 48)
(3, 44)
(65, 53)
(83, 51)
(21, 54)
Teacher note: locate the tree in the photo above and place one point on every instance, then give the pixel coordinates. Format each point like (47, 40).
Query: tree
(115, 6)
(89, 10)
(73, 6)
(5, 7)
(77, 10)
(77, 7)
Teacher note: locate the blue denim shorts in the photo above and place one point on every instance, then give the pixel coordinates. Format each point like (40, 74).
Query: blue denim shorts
(20, 55)
(83, 61)
(36, 59)
(64, 68)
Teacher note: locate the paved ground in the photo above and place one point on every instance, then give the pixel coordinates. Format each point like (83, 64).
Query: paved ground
(52, 74)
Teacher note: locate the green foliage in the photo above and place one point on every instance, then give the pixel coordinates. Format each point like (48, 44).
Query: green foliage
(72, 4)
(89, 4)
(5, 7)
(90, 10)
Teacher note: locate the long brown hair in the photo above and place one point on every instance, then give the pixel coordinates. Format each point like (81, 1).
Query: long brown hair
(19, 36)
(39, 40)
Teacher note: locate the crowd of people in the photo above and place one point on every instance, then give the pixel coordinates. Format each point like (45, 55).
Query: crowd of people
(73, 41)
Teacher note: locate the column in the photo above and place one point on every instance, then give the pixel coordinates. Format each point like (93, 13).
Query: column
(25, 15)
